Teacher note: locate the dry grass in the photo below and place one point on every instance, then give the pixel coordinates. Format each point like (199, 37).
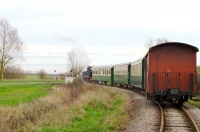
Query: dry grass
(60, 106)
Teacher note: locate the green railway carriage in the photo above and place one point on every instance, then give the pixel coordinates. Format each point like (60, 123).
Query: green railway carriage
(102, 73)
(122, 74)
(137, 74)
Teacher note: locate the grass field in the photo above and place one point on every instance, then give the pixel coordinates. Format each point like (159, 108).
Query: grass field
(32, 78)
(69, 107)
(195, 102)
(13, 94)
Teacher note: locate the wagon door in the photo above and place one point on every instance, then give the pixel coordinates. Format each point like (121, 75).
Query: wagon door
(166, 75)
(172, 74)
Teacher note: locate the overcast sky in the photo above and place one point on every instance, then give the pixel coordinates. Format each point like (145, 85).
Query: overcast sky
(103, 31)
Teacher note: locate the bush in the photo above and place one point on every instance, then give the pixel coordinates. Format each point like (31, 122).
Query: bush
(42, 74)
(13, 72)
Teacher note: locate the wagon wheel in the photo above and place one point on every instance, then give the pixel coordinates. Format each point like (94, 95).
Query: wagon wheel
(147, 95)
(160, 102)
(180, 103)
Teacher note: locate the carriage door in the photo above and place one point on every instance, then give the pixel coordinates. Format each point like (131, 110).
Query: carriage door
(172, 77)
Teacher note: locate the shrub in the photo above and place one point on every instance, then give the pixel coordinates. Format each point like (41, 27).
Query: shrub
(42, 74)
(13, 72)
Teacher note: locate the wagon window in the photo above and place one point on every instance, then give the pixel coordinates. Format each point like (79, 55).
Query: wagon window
(94, 71)
(117, 69)
(136, 69)
(124, 69)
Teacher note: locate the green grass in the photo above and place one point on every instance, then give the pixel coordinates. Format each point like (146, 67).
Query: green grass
(93, 120)
(13, 94)
(194, 103)
(96, 116)
(32, 78)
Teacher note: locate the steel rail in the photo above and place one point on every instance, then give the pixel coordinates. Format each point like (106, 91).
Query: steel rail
(162, 118)
(196, 129)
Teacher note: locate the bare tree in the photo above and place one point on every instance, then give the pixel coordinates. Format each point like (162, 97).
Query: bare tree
(152, 42)
(74, 63)
(11, 46)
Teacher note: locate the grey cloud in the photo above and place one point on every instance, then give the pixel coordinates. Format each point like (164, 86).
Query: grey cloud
(62, 38)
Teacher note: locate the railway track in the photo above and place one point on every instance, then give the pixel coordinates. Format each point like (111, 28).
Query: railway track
(173, 117)
(176, 119)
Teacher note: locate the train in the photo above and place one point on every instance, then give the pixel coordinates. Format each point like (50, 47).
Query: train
(166, 73)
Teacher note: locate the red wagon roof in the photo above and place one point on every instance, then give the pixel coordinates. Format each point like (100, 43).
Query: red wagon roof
(175, 43)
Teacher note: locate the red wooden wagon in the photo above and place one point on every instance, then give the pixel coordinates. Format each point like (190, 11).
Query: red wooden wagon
(170, 72)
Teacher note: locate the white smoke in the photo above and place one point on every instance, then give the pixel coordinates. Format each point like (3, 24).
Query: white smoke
(81, 55)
